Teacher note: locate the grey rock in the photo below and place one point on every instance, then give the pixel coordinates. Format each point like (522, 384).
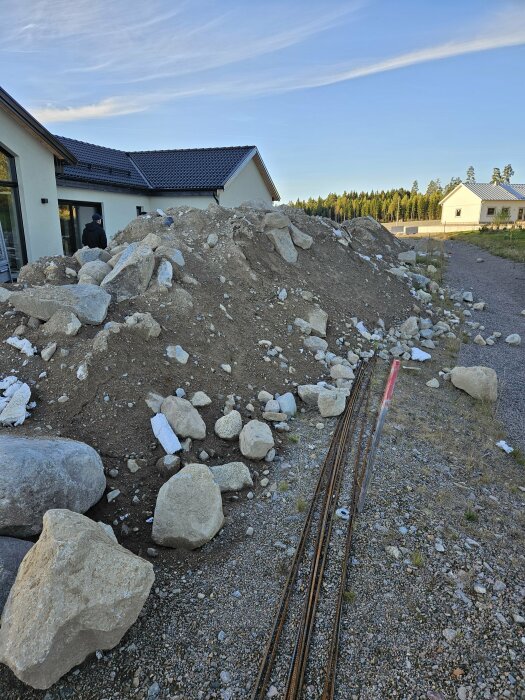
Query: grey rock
(317, 318)
(96, 269)
(255, 440)
(12, 551)
(85, 255)
(332, 402)
(309, 393)
(184, 419)
(132, 273)
(88, 302)
(232, 476)
(408, 256)
(283, 244)
(276, 220)
(188, 512)
(287, 404)
(62, 323)
(300, 239)
(229, 426)
(39, 474)
(315, 344)
(478, 381)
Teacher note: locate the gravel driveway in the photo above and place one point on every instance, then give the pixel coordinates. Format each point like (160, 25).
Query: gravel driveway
(501, 284)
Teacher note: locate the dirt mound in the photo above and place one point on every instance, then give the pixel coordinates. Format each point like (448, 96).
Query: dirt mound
(233, 292)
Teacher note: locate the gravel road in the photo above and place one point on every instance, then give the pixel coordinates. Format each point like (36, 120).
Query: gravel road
(501, 284)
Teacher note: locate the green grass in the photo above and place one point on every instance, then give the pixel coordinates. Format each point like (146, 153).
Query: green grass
(349, 596)
(301, 505)
(283, 486)
(417, 559)
(471, 516)
(518, 457)
(292, 437)
(506, 244)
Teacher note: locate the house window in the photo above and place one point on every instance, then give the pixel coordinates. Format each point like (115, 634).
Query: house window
(520, 214)
(140, 210)
(73, 217)
(490, 211)
(10, 216)
(458, 212)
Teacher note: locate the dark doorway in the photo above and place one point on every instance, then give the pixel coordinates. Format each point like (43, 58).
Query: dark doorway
(10, 215)
(73, 217)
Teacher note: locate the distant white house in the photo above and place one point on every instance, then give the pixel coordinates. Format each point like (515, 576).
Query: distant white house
(50, 186)
(476, 204)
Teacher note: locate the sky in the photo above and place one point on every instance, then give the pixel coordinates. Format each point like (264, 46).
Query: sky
(356, 95)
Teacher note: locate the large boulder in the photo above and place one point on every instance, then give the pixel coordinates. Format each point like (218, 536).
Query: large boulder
(12, 551)
(410, 327)
(76, 591)
(188, 512)
(88, 302)
(85, 255)
(255, 440)
(37, 474)
(233, 476)
(309, 393)
(277, 220)
(315, 344)
(480, 382)
(286, 403)
(229, 426)
(132, 273)
(283, 244)
(183, 418)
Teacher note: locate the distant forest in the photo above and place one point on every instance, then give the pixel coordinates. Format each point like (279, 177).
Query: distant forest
(393, 205)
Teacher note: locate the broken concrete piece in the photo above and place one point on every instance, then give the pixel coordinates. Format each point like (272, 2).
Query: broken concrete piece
(164, 433)
(76, 591)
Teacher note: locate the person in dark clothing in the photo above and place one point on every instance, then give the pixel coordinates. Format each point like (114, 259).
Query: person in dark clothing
(94, 235)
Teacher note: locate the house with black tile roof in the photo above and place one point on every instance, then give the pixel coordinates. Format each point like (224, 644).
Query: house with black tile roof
(50, 186)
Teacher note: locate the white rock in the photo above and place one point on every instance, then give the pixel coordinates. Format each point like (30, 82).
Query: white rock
(264, 396)
(309, 393)
(47, 353)
(200, 399)
(287, 404)
(233, 476)
(478, 381)
(15, 411)
(433, 383)
(183, 418)
(143, 323)
(165, 274)
(255, 440)
(352, 358)
(229, 426)
(300, 239)
(317, 318)
(188, 512)
(332, 403)
(419, 355)
(226, 368)
(513, 339)
(479, 340)
(132, 273)
(76, 591)
(175, 352)
(283, 244)
(341, 372)
(22, 344)
(467, 296)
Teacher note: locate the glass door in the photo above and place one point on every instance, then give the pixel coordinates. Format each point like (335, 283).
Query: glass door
(73, 217)
(10, 217)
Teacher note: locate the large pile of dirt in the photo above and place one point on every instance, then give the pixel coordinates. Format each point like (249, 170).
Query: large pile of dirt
(226, 298)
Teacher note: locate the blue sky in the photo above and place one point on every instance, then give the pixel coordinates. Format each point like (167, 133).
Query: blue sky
(364, 94)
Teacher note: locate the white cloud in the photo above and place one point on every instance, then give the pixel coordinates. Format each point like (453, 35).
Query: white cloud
(110, 107)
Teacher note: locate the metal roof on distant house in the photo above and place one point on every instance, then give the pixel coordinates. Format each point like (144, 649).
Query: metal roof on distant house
(177, 170)
(504, 192)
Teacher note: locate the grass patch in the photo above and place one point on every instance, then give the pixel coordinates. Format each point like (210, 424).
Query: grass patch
(518, 457)
(417, 559)
(293, 437)
(301, 505)
(507, 244)
(471, 516)
(349, 596)
(283, 486)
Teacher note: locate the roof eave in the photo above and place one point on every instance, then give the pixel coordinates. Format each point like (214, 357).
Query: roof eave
(26, 120)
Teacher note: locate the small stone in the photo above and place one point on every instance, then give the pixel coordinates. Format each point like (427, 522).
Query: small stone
(450, 634)
(226, 368)
(249, 531)
(513, 339)
(479, 589)
(433, 383)
(479, 340)
(393, 552)
(176, 352)
(47, 353)
(152, 552)
(229, 426)
(200, 399)
(439, 546)
(133, 465)
(112, 495)
(265, 482)
(264, 396)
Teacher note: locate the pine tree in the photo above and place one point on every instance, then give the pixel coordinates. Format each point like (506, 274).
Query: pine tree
(508, 172)
(497, 177)
(415, 188)
(471, 176)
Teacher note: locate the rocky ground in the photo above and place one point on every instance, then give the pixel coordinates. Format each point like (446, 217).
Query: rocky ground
(438, 615)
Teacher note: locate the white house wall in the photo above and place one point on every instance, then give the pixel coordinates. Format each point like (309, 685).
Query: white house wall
(118, 209)
(36, 180)
(467, 201)
(245, 186)
(497, 205)
(165, 202)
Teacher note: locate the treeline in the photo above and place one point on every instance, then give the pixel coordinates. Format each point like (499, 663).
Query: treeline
(386, 205)
(394, 205)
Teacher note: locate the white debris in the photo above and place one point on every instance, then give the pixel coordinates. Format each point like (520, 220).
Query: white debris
(82, 371)
(504, 446)
(164, 434)
(22, 344)
(362, 329)
(14, 410)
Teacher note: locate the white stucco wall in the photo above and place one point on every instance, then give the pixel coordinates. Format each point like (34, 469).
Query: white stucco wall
(513, 206)
(246, 185)
(158, 202)
(36, 180)
(465, 200)
(118, 209)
